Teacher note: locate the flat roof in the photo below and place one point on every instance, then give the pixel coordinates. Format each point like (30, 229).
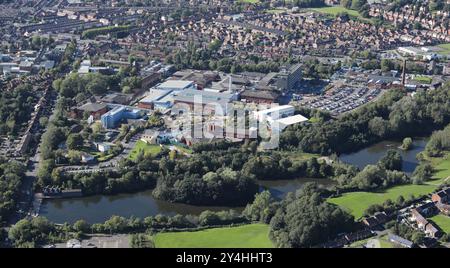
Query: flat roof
(291, 120)
(277, 108)
(116, 110)
(166, 98)
(206, 96)
(171, 84)
(155, 95)
(92, 107)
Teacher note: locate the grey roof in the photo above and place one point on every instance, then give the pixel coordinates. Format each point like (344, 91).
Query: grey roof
(205, 97)
(172, 84)
(92, 107)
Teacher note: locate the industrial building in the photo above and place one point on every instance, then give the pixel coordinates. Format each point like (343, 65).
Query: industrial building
(155, 99)
(112, 118)
(281, 124)
(274, 113)
(279, 118)
(176, 85)
(192, 97)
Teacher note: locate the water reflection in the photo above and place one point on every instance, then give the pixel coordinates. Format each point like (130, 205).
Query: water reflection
(373, 154)
(100, 208)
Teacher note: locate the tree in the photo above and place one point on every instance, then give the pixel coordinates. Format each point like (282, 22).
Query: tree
(423, 172)
(29, 233)
(407, 144)
(418, 238)
(43, 121)
(81, 226)
(346, 3)
(370, 177)
(358, 4)
(141, 241)
(116, 224)
(379, 126)
(74, 141)
(97, 128)
(260, 210)
(74, 157)
(391, 161)
(12, 174)
(400, 200)
(208, 218)
(307, 220)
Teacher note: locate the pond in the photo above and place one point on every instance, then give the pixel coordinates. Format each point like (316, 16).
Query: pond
(374, 153)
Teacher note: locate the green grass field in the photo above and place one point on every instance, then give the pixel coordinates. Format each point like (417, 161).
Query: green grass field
(335, 10)
(442, 167)
(357, 202)
(142, 146)
(443, 222)
(246, 236)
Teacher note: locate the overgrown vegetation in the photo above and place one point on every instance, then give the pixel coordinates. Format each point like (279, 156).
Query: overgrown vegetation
(393, 116)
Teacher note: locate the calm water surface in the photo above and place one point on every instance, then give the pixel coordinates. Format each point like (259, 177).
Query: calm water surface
(100, 208)
(373, 154)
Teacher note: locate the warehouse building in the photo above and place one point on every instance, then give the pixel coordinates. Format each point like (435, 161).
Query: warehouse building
(211, 99)
(176, 85)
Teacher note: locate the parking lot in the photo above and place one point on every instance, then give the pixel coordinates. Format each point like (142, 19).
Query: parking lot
(342, 100)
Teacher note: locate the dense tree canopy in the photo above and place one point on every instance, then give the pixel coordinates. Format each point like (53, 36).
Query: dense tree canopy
(306, 220)
(16, 107)
(11, 175)
(391, 161)
(439, 142)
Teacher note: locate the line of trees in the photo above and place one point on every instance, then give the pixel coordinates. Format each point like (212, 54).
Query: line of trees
(16, 107)
(11, 175)
(118, 31)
